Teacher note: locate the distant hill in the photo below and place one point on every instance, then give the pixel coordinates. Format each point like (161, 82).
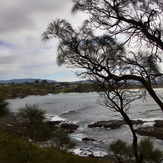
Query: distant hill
(30, 80)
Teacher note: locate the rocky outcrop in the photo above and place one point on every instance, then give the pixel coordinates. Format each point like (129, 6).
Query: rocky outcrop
(69, 127)
(113, 124)
(155, 131)
(158, 123)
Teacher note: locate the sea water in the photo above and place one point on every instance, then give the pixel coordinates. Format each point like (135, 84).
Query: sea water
(83, 109)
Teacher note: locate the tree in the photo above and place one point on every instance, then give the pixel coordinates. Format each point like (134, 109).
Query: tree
(102, 57)
(106, 63)
(139, 19)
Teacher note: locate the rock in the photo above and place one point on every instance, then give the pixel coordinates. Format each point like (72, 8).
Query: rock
(158, 123)
(88, 139)
(69, 127)
(156, 132)
(108, 124)
(137, 122)
(53, 123)
(113, 124)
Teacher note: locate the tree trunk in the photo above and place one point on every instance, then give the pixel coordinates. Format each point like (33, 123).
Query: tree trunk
(147, 86)
(153, 94)
(135, 141)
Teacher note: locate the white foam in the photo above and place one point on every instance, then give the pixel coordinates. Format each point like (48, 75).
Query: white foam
(149, 124)
(78, 136)
(85, 152)
(58, 118)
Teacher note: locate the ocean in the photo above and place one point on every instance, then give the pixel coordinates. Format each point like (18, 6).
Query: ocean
(83, 109)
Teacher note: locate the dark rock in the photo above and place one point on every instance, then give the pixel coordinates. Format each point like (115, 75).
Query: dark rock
(113, 124)
(69, 127)
(53, 123)
(158, 123)
(137, 122)
(88, 139)
(156, 132)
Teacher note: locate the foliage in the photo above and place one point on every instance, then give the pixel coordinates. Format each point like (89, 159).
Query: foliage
(31, 114)
(4, 107)
(106, 62)
(16, 150)
(122, 151)
(138, 20)
(22, 90)
(148, 152)
(62, 141)
(33, 119)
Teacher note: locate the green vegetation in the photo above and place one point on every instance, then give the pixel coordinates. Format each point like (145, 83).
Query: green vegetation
(148, 152)
(123, 152)
(25, 89)
(62, 141)
(4, 107)
(31, 123)
(16, 150)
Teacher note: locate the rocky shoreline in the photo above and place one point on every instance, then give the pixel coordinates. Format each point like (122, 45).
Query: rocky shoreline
(155, 131)
(113, 124)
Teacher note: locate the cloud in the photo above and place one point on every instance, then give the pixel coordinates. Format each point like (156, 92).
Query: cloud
(22, 53)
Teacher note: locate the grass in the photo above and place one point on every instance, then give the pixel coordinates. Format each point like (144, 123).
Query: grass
(16, 150)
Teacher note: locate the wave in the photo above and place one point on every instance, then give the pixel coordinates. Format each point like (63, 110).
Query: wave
(52, 117)
(78, 136)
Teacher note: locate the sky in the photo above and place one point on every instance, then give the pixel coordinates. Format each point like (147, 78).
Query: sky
(22, 53)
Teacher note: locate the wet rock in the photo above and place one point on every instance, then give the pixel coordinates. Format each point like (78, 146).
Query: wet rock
(156, 132)
(113, 124)
(69, 127)
(137, 122)
(53, 123)
(158, 123)
(108, 124)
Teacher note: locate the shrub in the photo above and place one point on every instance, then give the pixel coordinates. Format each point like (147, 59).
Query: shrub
(148, 152)
(4, 107)
(62, 141)
(121, 150)
(33, 119)
(31, 114)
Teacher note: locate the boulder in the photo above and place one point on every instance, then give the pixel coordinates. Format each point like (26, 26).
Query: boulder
(69, 127)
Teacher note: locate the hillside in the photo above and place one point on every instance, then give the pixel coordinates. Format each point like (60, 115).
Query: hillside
(29, 80)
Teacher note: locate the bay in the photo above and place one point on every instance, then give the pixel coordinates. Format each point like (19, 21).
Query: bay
(83, 109)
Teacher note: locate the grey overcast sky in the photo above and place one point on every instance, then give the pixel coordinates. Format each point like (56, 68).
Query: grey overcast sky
(22, 53)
